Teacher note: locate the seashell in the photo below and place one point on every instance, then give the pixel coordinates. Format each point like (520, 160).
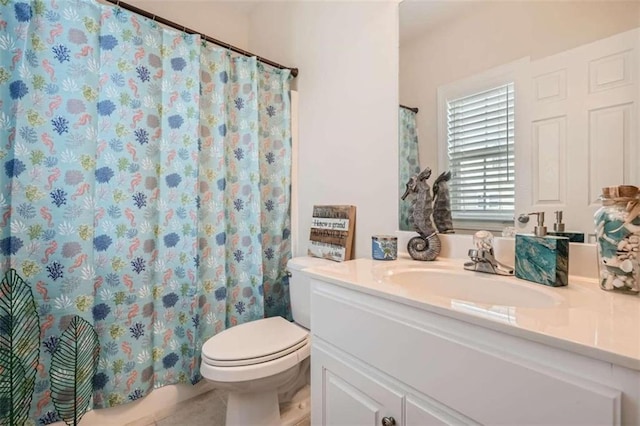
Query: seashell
(634, 239)
(622, 245)
(426, 249)
(618, 283)
(607, 285)
(611, 261)
(626, 265)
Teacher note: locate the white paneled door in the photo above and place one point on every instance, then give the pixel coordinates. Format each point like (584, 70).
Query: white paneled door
(584, 126)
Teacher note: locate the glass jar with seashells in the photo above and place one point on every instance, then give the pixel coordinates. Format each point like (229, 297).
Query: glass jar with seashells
(618, 236)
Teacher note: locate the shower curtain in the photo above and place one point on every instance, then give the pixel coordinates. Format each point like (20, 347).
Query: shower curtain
(408, 161)
(145, 187)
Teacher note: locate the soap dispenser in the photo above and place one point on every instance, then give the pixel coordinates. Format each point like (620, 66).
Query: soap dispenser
(542, 258)
(558, 226)
(558, 230)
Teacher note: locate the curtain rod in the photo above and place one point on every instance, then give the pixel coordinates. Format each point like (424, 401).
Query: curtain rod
(134, 9)
(410, 108)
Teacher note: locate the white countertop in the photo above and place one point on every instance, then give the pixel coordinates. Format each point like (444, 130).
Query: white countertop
(583, 318)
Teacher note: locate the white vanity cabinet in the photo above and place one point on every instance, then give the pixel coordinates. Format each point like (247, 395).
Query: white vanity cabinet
(352, 393)
(381, 362)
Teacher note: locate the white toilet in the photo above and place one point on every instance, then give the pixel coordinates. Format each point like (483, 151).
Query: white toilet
(257, 360)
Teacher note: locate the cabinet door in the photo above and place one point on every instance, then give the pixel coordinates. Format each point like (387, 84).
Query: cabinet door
(345, 394)
(423, 411)
(418, 415)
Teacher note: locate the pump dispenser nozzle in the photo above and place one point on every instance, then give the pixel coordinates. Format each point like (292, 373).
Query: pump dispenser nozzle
(558, 226)
(539, 230)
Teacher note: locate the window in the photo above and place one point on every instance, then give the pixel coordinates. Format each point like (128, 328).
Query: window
(480, 151)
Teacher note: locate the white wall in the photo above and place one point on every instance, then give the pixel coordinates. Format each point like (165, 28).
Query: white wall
(494, 34)
(347, 53)
(218, 19)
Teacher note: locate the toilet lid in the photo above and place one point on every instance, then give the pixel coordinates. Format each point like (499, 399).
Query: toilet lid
(253, 342)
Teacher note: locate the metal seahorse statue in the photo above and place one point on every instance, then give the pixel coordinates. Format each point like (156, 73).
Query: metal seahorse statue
(427, 245)
(442, 204)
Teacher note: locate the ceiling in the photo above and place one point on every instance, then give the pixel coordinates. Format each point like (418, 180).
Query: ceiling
(419, 16)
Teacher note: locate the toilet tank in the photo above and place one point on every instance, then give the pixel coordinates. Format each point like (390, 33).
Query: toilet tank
(300, 287)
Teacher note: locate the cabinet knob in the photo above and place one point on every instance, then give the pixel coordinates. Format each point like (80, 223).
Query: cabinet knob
(388, 421)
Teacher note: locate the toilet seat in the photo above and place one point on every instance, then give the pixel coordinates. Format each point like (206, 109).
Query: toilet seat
(254, 350)
(252, 372)
(252, 361)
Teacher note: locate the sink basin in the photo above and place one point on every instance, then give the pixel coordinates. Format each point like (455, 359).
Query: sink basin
(472, 287)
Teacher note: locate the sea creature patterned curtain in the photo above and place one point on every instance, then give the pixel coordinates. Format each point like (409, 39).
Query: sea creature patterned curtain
(145, 187)
(408, 161)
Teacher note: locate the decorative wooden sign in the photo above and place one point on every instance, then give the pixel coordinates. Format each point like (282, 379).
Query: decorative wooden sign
(332, 229)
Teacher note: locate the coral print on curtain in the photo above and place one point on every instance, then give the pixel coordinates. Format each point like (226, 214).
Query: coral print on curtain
(408, 162)
(145, 188)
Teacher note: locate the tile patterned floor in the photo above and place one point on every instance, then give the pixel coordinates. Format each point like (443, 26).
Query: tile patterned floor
(209, 409)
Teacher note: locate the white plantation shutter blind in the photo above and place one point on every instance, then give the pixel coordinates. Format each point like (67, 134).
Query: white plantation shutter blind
(481, 154)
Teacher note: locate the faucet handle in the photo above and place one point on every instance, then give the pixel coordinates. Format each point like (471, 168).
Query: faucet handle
(483, 240)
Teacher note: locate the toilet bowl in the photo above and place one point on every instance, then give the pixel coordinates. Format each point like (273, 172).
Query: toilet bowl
(256, 361)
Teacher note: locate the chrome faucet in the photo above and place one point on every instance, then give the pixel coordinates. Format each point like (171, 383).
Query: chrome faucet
(482, 257)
